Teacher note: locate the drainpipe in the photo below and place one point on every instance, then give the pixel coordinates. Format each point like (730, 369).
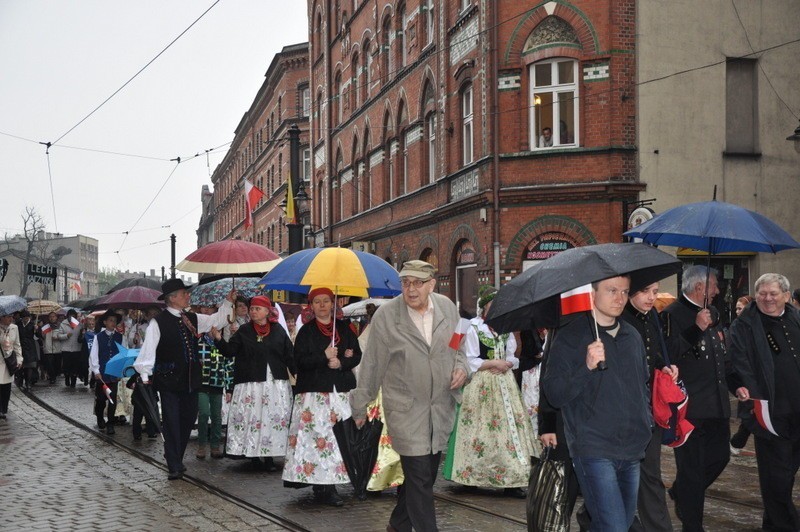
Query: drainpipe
(495, 149)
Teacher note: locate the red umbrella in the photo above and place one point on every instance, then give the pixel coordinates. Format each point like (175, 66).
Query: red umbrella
(133, 297)
(230, 257)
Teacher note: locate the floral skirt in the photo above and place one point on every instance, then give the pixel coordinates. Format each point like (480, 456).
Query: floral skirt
(494, 439)
(313, 456)
(530, 395)
(388, 472)
(258, 418)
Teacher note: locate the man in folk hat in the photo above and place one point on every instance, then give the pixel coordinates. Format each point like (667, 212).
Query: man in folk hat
(104, 348)
(409, 357)
(170, 354)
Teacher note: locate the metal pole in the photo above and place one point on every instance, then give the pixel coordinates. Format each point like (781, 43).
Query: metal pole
(295, 227)
(172, 264)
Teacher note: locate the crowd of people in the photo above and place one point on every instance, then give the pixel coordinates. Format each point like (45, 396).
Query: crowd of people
(588, 390)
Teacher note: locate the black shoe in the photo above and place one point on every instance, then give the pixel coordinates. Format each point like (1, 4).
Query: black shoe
(152, 436)
(517, 493)
(333, 498)
(269, 465)
(137, 437)
(110, 429)
(101, 423)
(182, 469)
(175, 475)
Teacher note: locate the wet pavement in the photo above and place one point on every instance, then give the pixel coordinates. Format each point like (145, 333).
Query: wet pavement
(733, 502)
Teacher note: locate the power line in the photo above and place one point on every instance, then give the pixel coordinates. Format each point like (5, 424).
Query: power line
(82, 120)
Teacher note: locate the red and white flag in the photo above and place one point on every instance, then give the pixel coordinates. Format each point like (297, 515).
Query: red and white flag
(252, 194)
(73, 322)
(761, 410)
(47, 328)
(577, 300)
(461, 329)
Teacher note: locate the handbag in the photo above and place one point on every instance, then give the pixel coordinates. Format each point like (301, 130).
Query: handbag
(546, 503)
(11, 361)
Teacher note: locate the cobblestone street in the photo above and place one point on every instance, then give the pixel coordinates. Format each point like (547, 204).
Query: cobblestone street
(76, 469)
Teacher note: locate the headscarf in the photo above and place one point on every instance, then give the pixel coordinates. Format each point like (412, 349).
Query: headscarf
(263, 301)
(319, 292)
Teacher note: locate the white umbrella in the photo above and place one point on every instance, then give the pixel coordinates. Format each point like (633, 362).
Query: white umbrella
(359, 308)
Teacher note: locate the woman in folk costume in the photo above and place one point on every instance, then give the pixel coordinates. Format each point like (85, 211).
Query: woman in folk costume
(494, 439)
(326, 351)
(258, 417)
(9, 339)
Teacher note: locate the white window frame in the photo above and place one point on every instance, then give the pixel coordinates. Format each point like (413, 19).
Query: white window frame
(556, 90)
(429, 23)
(467, 123)
(306, 165)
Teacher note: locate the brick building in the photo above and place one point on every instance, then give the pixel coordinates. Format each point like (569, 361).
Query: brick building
(478, 135)
(260, 153)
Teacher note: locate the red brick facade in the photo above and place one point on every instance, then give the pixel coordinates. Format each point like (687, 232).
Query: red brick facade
(260, 153)
(388, 87)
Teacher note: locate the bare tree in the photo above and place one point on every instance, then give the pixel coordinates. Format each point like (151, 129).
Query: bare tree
(32, 228)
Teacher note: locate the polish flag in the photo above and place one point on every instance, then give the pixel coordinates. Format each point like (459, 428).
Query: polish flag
(577, 300)
(47, 328)
(461, 329)
(252, 194)
(761, 410)
(73, 322)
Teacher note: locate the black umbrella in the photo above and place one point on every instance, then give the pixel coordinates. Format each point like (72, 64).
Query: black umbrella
(359, 448)
(534, 295)
(144, 397)
(136, 281)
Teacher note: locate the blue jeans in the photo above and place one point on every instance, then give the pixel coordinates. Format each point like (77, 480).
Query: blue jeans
(609, 489)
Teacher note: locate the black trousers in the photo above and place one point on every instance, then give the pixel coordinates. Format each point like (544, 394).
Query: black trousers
(178, 412)
(136, 423)
(5, 397)
(415, 507)
(651, 507)
(100, 400)
(699, 462)
(52, 365)
(778, 461)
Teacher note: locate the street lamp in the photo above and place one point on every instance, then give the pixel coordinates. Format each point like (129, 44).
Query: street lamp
(796, 139)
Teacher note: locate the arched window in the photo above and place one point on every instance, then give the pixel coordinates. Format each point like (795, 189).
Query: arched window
(354, 89)
(387, 64)
(429, 21)
(338, 208)
(355, 168)
(430, 145)
(317, 37)
(402, 159)
(337, 99)
(367, 81)
(402, 28)
(366, 174)
(388, 158)
(318, 115)
(554, 97)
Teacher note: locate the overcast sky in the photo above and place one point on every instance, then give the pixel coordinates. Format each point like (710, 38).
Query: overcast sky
(59, 60)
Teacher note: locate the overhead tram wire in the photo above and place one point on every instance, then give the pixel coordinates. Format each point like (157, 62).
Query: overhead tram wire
(181, 34)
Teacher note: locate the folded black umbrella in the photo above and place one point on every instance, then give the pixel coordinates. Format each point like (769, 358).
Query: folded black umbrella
(144, 397)
(359, 448)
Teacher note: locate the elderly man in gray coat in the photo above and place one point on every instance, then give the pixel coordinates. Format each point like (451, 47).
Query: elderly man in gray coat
(409, 357)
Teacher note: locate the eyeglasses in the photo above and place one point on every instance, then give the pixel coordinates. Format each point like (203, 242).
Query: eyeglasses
(416, 283)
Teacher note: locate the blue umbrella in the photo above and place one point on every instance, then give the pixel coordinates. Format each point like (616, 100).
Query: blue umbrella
(11, 304)
(716, 227)
(121, 364)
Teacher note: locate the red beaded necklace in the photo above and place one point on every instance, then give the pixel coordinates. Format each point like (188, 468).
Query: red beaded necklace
(261, 330)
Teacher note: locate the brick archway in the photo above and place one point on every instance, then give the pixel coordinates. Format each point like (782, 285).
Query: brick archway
(561, 224)
(465, 232)
(559, 8)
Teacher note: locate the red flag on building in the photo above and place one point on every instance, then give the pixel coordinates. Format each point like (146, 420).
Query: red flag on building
(577, 300)
(252, 195)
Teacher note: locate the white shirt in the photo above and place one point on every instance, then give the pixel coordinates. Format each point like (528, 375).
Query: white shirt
(472, 346)
(94, 353)
(423, 320)
(147, 355)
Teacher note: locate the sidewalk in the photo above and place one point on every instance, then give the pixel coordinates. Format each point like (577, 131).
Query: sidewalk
(57, 477)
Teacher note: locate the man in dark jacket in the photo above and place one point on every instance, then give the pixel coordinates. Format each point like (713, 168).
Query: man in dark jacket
(697, 347)
(606, 416)
(170, 355)
(765, 344)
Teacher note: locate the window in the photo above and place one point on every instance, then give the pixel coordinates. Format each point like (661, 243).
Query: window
(337, 95)
(318, 115)
(306, 165)
(466, 125)
(387, 63)
(280, 169)
(430, 130)
(403, 21)
(741, 111)
(280, 108)
(367, 70)
(354, 89)
(427, 10)
(305, 99)
(554, 103)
